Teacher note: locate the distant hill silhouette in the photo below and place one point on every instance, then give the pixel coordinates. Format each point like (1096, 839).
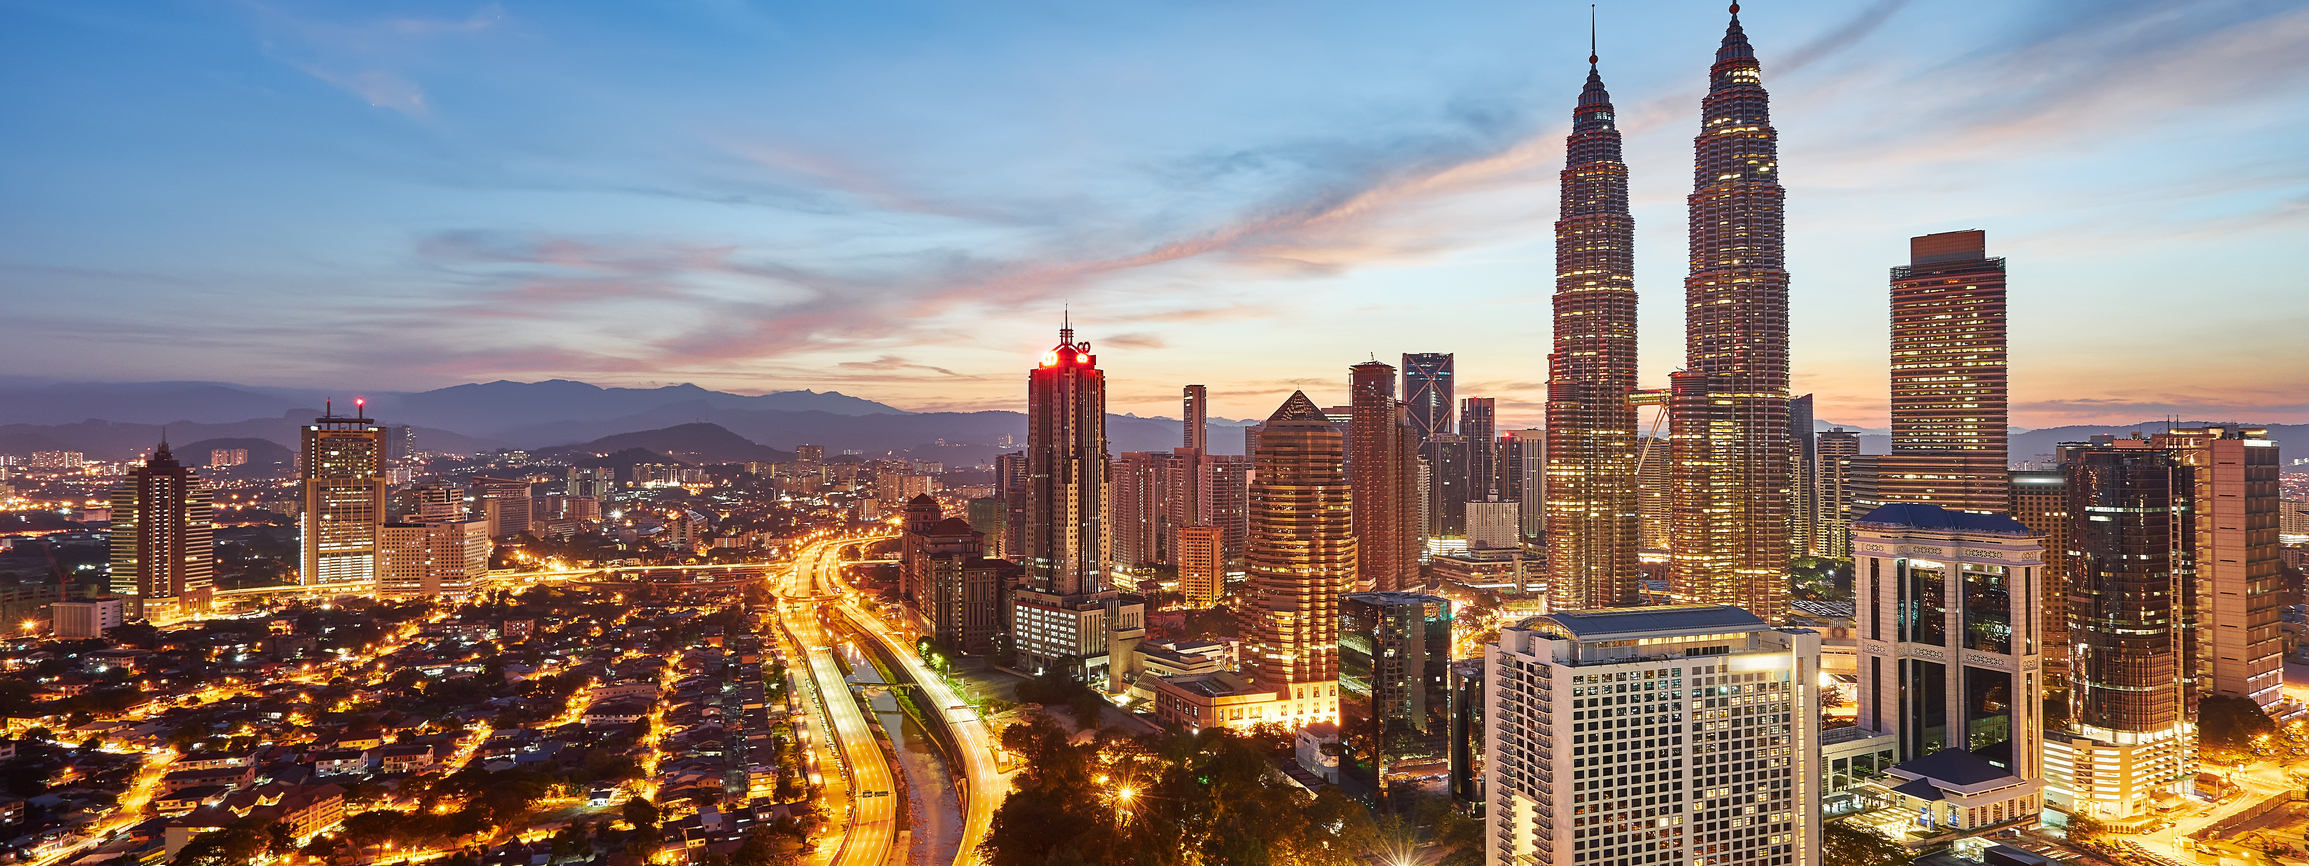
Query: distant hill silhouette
(685, 443)
(481, 410)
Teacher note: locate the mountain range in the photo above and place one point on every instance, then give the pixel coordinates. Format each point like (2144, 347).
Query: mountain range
(118, 420)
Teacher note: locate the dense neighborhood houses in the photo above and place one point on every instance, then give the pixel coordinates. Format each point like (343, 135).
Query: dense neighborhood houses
(552, 724)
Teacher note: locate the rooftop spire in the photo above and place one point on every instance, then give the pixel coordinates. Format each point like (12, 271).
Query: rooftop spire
(1591, 54)
(1065, 325)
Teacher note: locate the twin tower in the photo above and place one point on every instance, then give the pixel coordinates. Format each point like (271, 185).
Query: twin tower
(1728, 448)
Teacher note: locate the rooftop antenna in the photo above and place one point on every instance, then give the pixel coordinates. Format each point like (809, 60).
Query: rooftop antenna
(1591, 55)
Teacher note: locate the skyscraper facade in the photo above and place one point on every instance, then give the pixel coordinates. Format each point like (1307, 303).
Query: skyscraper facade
(2039, 501)
(163, 540)
(1427, 392)
(1832, 491)
(1446, 456)
(1803, 479)
(2233, 474)
(1728, 407)
(1682, 735)
(1592, 517)
(1195, 405)
(1064, 615)
(1948, 377)
(342, 512)
(1202, 565)
(2129, 739)
(1384, 474)
(1066, 470)
(1302, 558)
(1479, 425)
(1949, 658)
(1523, 471)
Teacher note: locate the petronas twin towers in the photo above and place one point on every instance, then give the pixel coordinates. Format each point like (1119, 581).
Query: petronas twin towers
(1727, 409)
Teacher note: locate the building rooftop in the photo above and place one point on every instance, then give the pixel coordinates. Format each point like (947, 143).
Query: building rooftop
(1916, 515)
(1952, 767)
(1629, 621)
(1394, 598)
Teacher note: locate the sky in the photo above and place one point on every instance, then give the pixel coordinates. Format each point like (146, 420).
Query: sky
(900, 200)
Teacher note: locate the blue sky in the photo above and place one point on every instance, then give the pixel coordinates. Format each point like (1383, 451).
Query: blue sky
(894, 200)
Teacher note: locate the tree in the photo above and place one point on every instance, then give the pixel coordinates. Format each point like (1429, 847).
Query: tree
(641, 813)
(234, 845)
(1846, 845)
(2232, 722)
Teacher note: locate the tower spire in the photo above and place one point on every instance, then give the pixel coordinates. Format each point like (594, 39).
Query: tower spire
(1065, 325)
(1591, 52)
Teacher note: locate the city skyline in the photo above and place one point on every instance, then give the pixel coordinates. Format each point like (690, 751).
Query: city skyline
(381, 172)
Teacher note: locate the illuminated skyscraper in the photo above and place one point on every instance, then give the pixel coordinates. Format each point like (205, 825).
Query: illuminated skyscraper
(1065, 615)
(342, 469)
(1302, 557)
(163, 539)
(1427, 392)
(1591, 511)
(1948, 377)
(2133, 650)
(2239, 573)
(1728, 407)
(1385, 477)
(1066, 465)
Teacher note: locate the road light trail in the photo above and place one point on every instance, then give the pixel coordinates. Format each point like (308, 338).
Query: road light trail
(873, 826)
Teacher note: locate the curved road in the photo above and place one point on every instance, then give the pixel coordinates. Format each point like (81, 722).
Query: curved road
(984, 785)
(873, 825)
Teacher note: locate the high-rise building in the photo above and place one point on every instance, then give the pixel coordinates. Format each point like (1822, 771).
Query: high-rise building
(1202, 564)
(163, 540)
(2040, 502)
(1948, 376)
(1479, 425)
(1523, 471)
(1803, 479)
(1227, 500)
(957, 591)
(1064, 613)
(504, 502)
(1446, 456)
(1427, 392)
(342, 472)
(1685, 735)
(1139, 517)
(441, 556)
(1591, 513)
(87, 619)
(1384, 473)
(1394, 688)
(1010, 483)
(991, 515)
(2240, 597)
(2130, 738)
(810, 454)
(1949, 660)
(1832, 491)
(1302, 558)
(1066, 471)
(1196, 417)
(1728, 407)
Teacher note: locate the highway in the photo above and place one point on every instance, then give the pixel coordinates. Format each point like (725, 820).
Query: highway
(872, 828)
(985, 786)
